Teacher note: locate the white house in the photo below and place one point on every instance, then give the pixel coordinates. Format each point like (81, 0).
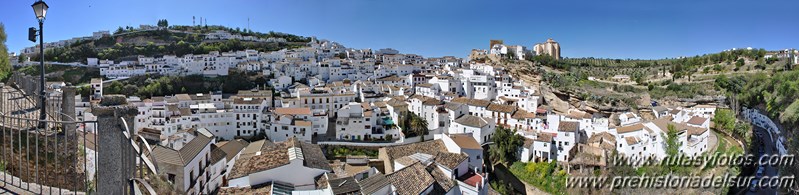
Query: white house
(361, 121)
(567, 137)
(480, 128)
(464, 143)
(301, 123)
(292, 163)
(185, 168)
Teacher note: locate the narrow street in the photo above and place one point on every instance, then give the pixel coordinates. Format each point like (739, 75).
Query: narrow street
(769, 148)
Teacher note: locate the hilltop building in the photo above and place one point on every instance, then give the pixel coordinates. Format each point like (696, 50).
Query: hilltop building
(550, 47)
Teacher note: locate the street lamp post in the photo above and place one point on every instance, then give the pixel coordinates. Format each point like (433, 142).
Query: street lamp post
(40, 9)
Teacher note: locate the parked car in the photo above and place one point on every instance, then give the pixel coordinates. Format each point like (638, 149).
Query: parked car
(753, 185)
(760, 171)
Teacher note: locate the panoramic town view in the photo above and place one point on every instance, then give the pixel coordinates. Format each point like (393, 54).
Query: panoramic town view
(399, 97)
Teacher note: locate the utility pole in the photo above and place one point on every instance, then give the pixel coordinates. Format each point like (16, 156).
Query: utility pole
(192, 21)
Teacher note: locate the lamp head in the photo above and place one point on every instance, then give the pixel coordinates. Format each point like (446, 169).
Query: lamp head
(40, 9)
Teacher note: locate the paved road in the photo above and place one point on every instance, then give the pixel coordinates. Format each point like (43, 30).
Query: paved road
(769, 148)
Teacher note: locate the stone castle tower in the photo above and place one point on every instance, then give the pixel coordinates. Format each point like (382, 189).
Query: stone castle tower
(550, 47)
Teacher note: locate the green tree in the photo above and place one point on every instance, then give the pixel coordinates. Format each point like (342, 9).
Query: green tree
(163, 23)
(506, 144)
(672, 142)
(739, 63)
(724, 120)
(22, 58)
(5, 64)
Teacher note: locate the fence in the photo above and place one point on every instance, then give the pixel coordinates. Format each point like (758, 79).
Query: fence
(55, 155)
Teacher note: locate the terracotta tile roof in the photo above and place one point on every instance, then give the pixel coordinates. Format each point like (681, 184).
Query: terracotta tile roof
(630, 128)
(501, 108)
(696, 130)
(452, 105)
(183, 156)
(465, 141)
(174, 109)
(247, 100)
(374, 183)
(412, 179)
(697, 120)
(313, 156)
(450, 160)
(183, 97)
(277, 155)
(521, 114)
(576, 114)
(253, 147)
(601, 137)
(380, 104)
(588, 155)
(347, 185)
(406, 160)
(194, 147)
(428, 147)
(663, 124)
(293, 111)
(418, 97)
(432, 102)
(632, 140)
(233, 147)
(480, 103)
(166, 155)
(395, 102)
(603, 140)
(200, 96)
(544, 137)
(261, 189)
(444, 182)
(254, 93)
(217, 154)
(302, 123)
(185, 112)
(527, 142)
(392, 77)
(472, 121)
(462, 100)
(568, 126)
(425, 85)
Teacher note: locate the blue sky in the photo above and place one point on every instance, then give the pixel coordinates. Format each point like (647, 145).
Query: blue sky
(587, 28)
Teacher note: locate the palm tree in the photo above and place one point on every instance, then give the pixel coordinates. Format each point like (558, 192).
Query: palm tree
(419, 126)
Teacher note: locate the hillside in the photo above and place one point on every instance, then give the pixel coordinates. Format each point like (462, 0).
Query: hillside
(176, 40)
(587, 83)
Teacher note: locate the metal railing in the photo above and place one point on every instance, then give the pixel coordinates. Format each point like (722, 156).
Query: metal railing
(47, 159)
(51, 155)
(59, 154)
